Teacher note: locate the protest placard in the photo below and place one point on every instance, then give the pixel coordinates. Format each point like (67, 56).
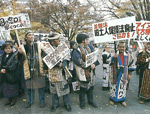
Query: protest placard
(91, 58)
(143, 31)
(14, 22)
(46, 47)
(57, 55)
(5, 35)
(114, 30)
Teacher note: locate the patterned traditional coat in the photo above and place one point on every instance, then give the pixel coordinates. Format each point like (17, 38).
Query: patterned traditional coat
(58, 80)
(118, 77)
(33, 57)
(80, 65)
(142, 61)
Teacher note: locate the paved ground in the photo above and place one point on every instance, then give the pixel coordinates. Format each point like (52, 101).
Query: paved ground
(101, 97)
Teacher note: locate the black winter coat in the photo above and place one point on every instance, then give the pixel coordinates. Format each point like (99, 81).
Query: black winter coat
(11, 65)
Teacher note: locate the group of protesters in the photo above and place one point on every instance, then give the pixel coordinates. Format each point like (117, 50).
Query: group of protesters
(22, 67)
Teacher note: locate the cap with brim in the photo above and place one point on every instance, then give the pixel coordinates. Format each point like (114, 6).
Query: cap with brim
(53, 37)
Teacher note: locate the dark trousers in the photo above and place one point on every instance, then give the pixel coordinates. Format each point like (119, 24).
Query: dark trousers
(1, 92)
(83, 92)
(31, 94)
(140, 80)
(55, 99)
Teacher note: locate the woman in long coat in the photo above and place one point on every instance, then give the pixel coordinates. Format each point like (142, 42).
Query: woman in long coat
(8, 70)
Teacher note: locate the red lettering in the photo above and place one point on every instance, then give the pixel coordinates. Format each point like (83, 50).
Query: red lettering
(123, 35)
(100, 25)
(138, 24)
(105, 24)
(147, 31)
(114, 36)
(119, 36)
(95, 26)
(128, 34)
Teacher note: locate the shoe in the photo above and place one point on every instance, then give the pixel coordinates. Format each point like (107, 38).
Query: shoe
(28, 105)
(54, 108)
(124, 104)
(141, 101)
(105, 88)
(111, 102)
(82, 105)
(93, 104)
(13, 102)
(8, 102)
(42, 105)
(68, 108)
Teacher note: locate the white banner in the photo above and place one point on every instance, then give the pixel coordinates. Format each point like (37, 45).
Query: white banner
(143, 31)
(5, 35)
(57, 55)
(114, 30)
(14, 22)
(91, 58)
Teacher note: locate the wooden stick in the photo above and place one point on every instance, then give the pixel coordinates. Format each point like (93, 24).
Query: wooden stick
(17, 37)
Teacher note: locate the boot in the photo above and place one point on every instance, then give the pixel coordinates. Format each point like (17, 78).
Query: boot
(8, 102)
(82, 101)
(90, 97)
(13, 102)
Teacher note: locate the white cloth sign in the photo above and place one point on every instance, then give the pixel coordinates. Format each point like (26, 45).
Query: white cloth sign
(14, 22)
(119, 29)
(56, 56)
(143, 31)
(80, 73)
(91, 58)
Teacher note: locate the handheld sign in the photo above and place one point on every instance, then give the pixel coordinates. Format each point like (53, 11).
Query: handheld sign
(14, 22)
(114, 30)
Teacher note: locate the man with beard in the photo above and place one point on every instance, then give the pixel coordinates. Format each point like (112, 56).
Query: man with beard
(118, 75)
(58, 83)
(34, 75)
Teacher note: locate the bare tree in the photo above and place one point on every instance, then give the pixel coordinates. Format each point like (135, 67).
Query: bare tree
(118, 8)
(63, 18)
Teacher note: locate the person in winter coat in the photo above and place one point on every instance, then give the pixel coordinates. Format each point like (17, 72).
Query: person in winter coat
(8, 71)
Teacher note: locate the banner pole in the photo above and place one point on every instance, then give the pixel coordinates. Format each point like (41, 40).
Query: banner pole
(17, 37)
(115, 46)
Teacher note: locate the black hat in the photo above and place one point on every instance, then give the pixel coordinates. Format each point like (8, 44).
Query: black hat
(81, 37)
